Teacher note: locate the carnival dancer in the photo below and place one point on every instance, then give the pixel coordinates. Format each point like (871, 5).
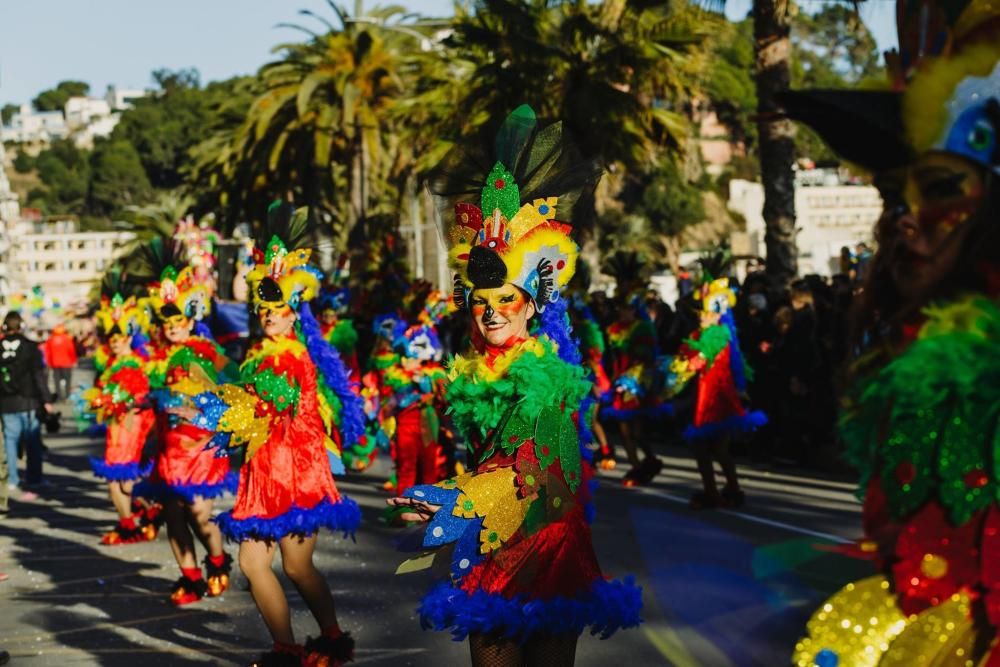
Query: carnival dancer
(338, 330)
(592, 348)
(120, 401)
(632, 340)
(921, 418)
(524, 579)
(292, 409)
(187, 477)
(712, 354)
(415, 391)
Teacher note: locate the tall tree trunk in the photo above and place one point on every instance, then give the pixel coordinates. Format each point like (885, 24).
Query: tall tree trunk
(772, 51)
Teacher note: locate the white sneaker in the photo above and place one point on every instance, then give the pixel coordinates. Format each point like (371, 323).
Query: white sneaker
(27, 496)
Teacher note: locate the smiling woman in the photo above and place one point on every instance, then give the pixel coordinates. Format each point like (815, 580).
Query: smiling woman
(501, 313)
(514, 533)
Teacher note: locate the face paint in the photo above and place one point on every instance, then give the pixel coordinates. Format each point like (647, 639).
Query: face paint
(931, 201)
(177, 328)
(501, 314)
(120, 344)
(276, 319)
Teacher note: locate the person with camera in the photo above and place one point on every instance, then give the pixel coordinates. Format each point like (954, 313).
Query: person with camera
(24, 392)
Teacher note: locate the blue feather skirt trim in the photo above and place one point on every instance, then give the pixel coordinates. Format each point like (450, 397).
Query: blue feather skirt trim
(649, 412)
(607, 607)
(159, 490)
(343, 517)
(745, 423)
(120, 472)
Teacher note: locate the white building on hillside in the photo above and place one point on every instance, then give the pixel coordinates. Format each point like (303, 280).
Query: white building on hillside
(122, 99)
(82, 111)
(828, 217)
(64, 261)
(30, 126)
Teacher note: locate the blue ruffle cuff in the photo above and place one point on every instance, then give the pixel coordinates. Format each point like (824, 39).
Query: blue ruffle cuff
(607, 607)
(120, 472)
(749, 421)
(189, 492)
(343, 516)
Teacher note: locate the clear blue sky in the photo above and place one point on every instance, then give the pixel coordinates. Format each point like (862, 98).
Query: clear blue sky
(121, 41)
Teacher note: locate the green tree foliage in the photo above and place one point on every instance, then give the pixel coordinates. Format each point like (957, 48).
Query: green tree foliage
(54, 99)
(165, 126)
(655, 206)
(830, 49)
(729, 81)
(7, 112)
(65, 171)
(117, 180)
(318, 130)
(833, 48)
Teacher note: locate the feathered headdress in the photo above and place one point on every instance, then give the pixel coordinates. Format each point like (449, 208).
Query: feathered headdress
(513, 235)
(178, 294)
(282, 273)
(120, 316)
(944, 97)
(172, 290)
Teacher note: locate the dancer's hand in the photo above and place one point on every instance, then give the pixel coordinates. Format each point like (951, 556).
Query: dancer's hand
(421, 511)
(185, 412)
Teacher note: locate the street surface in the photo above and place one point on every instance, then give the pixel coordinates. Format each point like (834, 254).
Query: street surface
(720, 587)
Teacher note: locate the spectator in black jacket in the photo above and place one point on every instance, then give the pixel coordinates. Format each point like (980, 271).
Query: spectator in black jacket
(24, 391)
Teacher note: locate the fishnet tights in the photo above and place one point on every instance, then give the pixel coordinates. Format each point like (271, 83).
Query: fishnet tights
(539, 651)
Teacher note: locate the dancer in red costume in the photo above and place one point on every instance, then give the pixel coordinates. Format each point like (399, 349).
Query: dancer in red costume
(632, 339)
(524, 579)
(712, 354)
(119, 399)
(292, 409)
(187, 476)
(415, 392)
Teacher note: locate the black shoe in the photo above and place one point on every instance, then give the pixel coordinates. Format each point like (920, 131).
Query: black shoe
(217, 577)
(326, 652)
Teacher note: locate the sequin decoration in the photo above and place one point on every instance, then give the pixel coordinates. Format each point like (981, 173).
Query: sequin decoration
(854, 627)
(241, 420)
(908, 455)
(934, 559)
(965, 486)
(276, 390)
(941, 635)
(500, 192)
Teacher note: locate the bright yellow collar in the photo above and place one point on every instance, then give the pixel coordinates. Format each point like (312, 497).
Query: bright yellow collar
(475, 368)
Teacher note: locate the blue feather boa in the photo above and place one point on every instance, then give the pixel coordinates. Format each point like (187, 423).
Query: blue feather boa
(343, 516)
(334, 374)
(607, 607)
(120, 472)
(750, 421)
(554, 323)
(189, 492)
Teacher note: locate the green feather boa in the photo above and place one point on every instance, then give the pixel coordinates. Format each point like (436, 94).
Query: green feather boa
(927, 423)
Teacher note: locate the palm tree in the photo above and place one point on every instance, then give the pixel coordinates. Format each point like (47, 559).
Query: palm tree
(316, 133)
(772, 50)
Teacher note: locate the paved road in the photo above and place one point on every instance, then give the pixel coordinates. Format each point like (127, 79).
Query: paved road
(721, 588)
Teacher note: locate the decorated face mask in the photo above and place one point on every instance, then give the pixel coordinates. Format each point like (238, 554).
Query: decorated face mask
(282, 277)
(388, 327)
(717, 298)
(420, 343)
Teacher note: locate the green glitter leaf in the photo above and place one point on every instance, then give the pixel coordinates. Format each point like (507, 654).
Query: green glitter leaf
(909, 452)
(276, 390)
(500, 192)
(966, 485)
(569, 452)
